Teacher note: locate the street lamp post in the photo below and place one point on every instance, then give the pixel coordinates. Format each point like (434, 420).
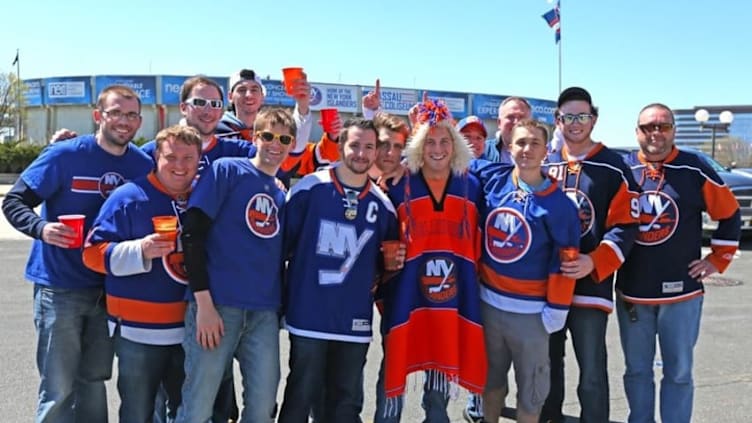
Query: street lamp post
(725, 118)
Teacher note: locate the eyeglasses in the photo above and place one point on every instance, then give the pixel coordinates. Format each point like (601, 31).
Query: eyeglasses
(662, 127)
(582, 118)
(117, 114)
(202, 102)
(270, 136)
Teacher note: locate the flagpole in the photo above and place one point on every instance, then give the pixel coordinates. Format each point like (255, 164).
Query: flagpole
(559, 6)
(19, 106)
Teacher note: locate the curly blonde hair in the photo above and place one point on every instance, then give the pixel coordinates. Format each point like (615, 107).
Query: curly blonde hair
(461, 155)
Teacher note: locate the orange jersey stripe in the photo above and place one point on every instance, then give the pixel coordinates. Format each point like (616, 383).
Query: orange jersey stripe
(94, 257)
(719, 200)
(560, 289)
(605, 262)
(624, 208)
(532, 288)
(146, 311)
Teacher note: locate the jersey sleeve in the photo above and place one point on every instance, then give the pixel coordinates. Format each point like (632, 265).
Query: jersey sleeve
(722, 206)
(621, 226)
(45, 176)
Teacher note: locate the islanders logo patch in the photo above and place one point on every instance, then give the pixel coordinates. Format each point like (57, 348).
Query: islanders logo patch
(659, 217)
(261, 216)
(174, 265)
(507, 235)
(585, 209)
(438, 279)
(102, 185)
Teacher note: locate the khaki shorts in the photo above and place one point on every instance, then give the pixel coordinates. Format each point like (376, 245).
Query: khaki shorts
(519, 339)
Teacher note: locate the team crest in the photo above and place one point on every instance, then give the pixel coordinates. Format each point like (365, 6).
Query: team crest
(508, 235)
(174, 265)
(108, 182)
(438, 279)
(261, 216)
(585, 209)
(659, 217)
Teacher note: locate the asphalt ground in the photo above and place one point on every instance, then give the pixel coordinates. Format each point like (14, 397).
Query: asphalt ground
(723, 373)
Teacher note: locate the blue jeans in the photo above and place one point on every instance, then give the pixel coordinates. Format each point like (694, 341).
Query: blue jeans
(677, 326)
(74, 354)
(252, 337)
(141, 370)
(334, 365)
(434, 403)
(588, 329)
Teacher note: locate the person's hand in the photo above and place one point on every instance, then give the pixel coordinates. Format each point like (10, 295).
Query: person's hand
(372, 100)
(396, 176)
(336, 128)
(209, 327)
(412, 114)
(280, 184)
(701, 269)
(58, 234)
(577, 269)
(155, 246)
(63, 134)
(399, 258)
(301, 92)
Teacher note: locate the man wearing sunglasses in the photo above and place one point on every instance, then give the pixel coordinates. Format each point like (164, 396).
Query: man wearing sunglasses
(232, 238)
(659, 287)
(74, 350)
(606, 195)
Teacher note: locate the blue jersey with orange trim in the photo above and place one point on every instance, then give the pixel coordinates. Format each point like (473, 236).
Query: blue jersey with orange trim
(432, 308)
(523, 234)
(149, 306)
(217, 148)
(334, 233)
(674, 195)
(244, 243)
(604, 191)
(75, 177)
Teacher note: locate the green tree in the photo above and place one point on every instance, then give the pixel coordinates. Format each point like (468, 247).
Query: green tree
(12, 105)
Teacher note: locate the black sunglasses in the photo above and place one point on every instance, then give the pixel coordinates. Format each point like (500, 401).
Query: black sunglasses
(662, 127)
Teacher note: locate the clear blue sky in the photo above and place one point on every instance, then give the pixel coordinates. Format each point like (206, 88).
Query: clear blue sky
(626, 53)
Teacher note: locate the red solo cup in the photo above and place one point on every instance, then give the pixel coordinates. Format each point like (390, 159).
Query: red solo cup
(290, 75)
(328, 116)
(75, 221)
(569, 254)
(166, 226)
(390, 249)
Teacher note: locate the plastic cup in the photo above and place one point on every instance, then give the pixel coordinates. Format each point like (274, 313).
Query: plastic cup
(328, 116)
(390, 249)
(75, 221)
(569, 254)
(167, 226)
(290, 75)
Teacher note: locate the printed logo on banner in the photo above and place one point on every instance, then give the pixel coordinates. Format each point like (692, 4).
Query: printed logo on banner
(144, 86)
(316, 96)
(33, 92)
(66, 89)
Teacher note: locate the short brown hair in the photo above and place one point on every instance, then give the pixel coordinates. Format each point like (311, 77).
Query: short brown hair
(121, 90)
(391, 123)
(185, 134)
(275, 116)
(190, 83)
(532, 124)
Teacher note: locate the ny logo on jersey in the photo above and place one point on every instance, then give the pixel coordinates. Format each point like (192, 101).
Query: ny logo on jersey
(438, 279)
(508, 235)
(261, 216)
(341, 241)
(102, 185)
(659, 217)
(585, 209)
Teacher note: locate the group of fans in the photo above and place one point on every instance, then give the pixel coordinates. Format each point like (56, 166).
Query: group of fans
(505, 244)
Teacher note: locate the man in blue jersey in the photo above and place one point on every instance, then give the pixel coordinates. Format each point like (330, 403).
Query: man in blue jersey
(660, 286)
(232, 239)
(74, 351)
(145, 279)
(335, 221)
